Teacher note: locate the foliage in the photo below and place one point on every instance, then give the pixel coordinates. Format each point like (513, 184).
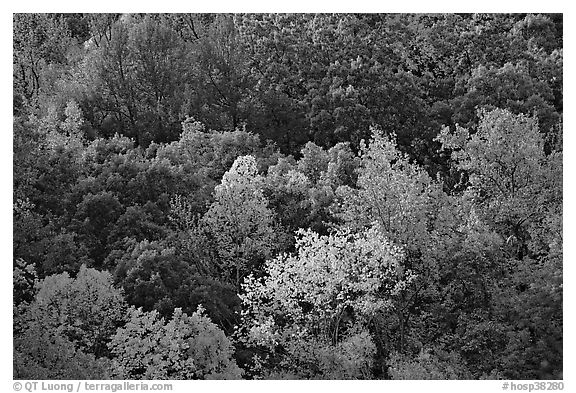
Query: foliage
(43, 354)
(239, 220)
(428, 365)
(391, 190)
(155, 276)
(186, 154)
(327, 293)
(514, 187)
(86, 309)
(511, 179)
(67, 326)
(24, 278)
(184, 347)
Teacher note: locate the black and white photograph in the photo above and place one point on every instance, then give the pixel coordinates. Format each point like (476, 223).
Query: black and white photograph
(287, 196)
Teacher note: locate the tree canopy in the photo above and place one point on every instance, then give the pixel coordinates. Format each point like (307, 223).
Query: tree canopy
(288, 196)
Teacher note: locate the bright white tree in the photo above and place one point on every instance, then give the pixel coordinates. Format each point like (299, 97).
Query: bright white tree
(316, 305)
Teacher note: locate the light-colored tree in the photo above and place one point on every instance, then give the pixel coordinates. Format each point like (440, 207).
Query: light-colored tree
(239, 219)
(86, 309)
(396, 193)
(66, 327)
(73, 123)
(41, 353)
(313, 308)
(185, 347)
(513, 184)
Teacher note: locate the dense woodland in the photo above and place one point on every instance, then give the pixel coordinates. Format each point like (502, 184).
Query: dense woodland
(272, 196)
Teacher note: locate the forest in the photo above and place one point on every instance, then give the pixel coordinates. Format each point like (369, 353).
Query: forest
(287, 196)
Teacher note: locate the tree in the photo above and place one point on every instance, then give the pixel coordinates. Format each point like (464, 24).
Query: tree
(391, 190)
(148, 145)
(342, 76)
(515, 190)
(239, 220)
(428, 365)
(54, 160)
(210, 153)
(184, 347)
(48, 163)
(95, 217)
(24, 277)
(163, 275)
(39, 40)
(225, 81)
(67, 326)
(43, 354)
(511, 179)
(301, 192)
(510, 87)
(311, 314)
(143, 71)
(413, 211)
(86, 309)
